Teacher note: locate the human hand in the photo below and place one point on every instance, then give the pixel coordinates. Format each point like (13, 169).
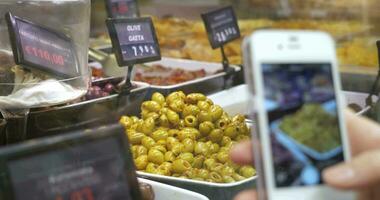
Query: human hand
(361, 173)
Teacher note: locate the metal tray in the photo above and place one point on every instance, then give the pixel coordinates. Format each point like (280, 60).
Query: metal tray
(220, 191)
(85, 114)
(206, 85)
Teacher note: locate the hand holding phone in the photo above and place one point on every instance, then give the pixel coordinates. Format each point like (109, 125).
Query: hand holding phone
(294, 79)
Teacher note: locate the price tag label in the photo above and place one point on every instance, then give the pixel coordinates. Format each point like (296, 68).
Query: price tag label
(134, 40)
(221, 26)
(41, 48)
(122, 8)
(77, 167)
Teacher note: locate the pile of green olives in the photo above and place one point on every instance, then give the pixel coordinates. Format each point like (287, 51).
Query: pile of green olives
(187, 136)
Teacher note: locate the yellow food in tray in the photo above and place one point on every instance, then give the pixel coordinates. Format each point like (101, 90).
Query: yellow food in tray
(187, 39)
(187, 136)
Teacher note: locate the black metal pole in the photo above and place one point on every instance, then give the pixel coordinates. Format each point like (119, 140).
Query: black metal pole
(374, 88)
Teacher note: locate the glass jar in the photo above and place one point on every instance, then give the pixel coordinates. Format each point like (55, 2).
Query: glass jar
(22, 87)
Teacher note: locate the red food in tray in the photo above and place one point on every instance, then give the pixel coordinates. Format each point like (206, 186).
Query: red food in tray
(160, 75)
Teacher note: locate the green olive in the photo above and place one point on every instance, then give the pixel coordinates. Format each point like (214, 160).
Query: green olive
(180, 166)
(238, 177)
(209, 163)
(164, 121)
(177, 105)
(227, 171)
(126, 121)
(239, 119)
(231, 131)
(158, 97)
(247, 171)
(201, 148)
(140, 150)
(222, 123)
(190, 110)
(170, 141)
(161, 170)
(167, 165)
(177, 148)
(228, 179)
(190, 174)
(161, 142)
(210, 102)
(151, 168)
(198, 161)
(148, 142)
(174, 96)
(205, 128)
(216, 177)
(216, 112)
(133, 151)
(203, 173)
(148, 126)
(216, 135)
(203, 105)
(141, 162)
(151, 106)
(191, 121)
(160, 148)
(173, 132)
(242, 138)
(217, 167)
(169, 156)
(135, 137)
(187, 156)
(134, 119)
(159, 135)
(204, 116)
(181, 124)
(225, 140)
(188, 145)
(173, 117)
(194, 98)
(214, 148)
(156, 156)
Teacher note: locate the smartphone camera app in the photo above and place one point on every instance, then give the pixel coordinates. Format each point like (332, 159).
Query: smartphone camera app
(303, 122)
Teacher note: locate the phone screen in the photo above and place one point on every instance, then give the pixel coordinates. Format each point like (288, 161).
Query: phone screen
(303, 122)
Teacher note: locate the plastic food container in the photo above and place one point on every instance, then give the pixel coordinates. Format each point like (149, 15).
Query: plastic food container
(66, 23)
(220, 191)
(167, 192)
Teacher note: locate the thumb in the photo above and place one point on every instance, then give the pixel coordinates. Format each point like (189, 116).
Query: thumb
(360, 172)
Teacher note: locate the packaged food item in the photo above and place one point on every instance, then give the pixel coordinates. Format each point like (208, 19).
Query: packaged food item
(187, 136)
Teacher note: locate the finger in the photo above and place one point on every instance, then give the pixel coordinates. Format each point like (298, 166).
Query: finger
(246, 195)
(242, 153)
(361, 172)
(364, 134)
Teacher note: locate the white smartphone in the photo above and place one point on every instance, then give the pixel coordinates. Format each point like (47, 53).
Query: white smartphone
(295, 85)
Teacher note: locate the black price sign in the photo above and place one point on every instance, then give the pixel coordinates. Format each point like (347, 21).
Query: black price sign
(222, 26)
(76, 169)
(134, 40)
(122, 8)
(41, 48)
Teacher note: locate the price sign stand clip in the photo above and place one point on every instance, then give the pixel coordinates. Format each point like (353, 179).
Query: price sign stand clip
(375, 87)
(222, 27)
(226, 68)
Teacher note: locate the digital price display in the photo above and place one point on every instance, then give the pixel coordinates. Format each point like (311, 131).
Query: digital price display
(221, 26)
(134, 41)
(86, 166)
(38, 47)
(122, 8)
